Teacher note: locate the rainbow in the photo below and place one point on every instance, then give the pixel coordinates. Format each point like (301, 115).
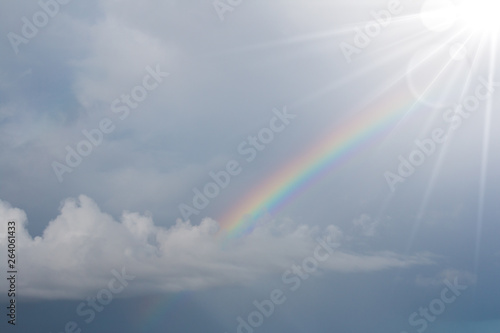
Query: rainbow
(328, 153)
(279, 189)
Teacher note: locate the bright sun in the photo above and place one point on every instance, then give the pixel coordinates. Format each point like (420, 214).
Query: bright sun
(483, 15)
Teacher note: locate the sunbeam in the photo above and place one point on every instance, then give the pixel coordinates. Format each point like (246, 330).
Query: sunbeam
(485, 156)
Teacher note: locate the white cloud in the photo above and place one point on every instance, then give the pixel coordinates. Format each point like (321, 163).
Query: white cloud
(79, 248)
(116, 61)
(464, 277)
(366, 225)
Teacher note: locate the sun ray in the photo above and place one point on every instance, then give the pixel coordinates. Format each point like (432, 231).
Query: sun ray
(429, 86)
(374, 65)
(437, 169)
(485, 156)
(295, 40)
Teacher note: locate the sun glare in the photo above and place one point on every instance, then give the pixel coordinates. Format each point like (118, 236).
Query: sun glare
(483, 15)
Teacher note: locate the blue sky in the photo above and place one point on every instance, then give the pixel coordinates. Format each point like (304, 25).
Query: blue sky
(115, 114)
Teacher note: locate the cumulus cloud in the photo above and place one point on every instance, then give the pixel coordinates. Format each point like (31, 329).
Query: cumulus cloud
(82, 245)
